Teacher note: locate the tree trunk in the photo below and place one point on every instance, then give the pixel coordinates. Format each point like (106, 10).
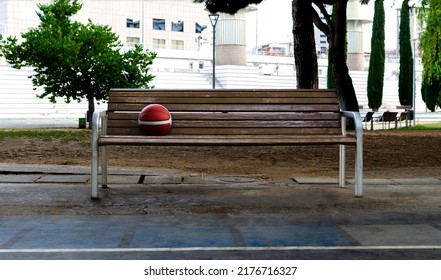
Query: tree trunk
(343, 82)
(91, 109)
(304, 45)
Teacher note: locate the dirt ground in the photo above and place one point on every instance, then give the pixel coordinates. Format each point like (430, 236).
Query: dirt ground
(387, 154)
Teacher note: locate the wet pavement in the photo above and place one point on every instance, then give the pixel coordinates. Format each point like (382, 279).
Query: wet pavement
(46, 213)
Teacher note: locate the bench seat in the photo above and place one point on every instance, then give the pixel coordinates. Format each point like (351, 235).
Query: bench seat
(238, 140)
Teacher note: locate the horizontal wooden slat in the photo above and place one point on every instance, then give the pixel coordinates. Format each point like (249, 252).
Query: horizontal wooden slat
(231, 131)
(231, 107)
(129, 115)
(280, 140)
(235, 116)
(310, 93)
(234, 123)
(145, 100)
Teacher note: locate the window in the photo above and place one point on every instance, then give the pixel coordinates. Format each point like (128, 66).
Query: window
(199, 28)
(159, 43)
(132, 41)
(132, 23)
(158, 24)
(177, 44)
(178, 26)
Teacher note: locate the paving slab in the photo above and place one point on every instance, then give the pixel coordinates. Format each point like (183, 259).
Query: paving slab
(292, 235)
(70, 178)
(182, 237)
(395, 235)
(380, 182)
(418, 181)
(19, 178)
(315, 180)
(162, 179)
(122, 179)
(74, 169)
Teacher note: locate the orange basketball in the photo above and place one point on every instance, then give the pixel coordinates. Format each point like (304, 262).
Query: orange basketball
(155, 119)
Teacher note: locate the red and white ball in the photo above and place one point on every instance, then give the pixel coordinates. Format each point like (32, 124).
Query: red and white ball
(155, 119)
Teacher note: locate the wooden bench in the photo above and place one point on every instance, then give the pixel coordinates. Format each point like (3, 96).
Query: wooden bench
(389, 117)
(229, 118)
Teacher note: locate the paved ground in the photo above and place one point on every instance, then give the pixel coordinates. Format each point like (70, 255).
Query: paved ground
(47, 213)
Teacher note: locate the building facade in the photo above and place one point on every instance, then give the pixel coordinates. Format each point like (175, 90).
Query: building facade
(156, 24)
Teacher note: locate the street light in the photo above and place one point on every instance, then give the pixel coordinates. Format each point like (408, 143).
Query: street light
(413, 82)
(213, 21)
(142, 24)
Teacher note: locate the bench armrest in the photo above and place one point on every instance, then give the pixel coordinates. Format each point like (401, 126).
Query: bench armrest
(99, 119)
(358, 122)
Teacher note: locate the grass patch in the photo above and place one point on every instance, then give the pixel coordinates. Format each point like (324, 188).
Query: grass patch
(45, 133)
(427, 126)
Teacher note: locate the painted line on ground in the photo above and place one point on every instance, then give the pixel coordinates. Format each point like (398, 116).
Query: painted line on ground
(192, 249)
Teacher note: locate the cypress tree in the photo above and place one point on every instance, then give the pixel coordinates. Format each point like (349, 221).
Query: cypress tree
(376, 64)
(405, 82)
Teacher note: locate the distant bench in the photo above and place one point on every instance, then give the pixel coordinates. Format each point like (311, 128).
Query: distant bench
(229, 118)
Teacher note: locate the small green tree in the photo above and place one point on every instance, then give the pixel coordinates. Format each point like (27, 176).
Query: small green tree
(405, 82)
(376, 65)
(74, 61)
(430, 46)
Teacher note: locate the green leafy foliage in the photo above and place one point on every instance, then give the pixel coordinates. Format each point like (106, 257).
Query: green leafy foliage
(226, 6)
(430, 46)
(376, 65)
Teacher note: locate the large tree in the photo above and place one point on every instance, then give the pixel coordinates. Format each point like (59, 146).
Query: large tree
(73, 60)
(305, 58)
(305, 54)
(405, 79)
(329, 79)
(430, 46)
(336, 35)
(376, 64)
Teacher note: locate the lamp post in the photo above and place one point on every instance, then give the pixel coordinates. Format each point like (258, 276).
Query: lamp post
(413, 82)
(142, 24)
(213, 21)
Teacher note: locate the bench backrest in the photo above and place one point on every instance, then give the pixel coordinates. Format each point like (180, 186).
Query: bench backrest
(235, 112)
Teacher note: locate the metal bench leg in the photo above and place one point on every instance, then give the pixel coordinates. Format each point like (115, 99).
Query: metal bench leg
(104, 166)
(95, 151)
(359, 169)
(95, 169)
(342, 167)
